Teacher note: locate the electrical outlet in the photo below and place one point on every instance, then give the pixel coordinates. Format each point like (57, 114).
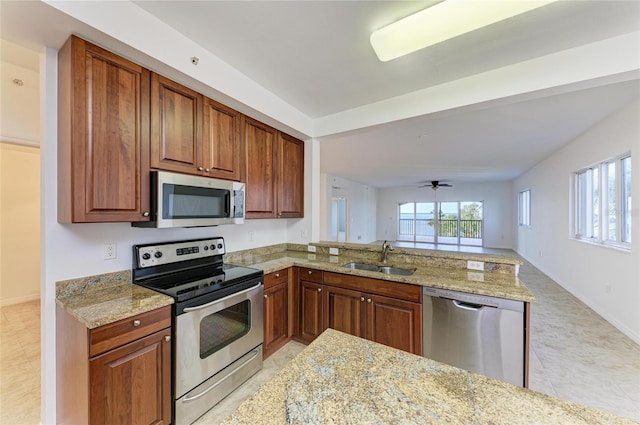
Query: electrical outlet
(109, 251)
(475, 276)
(311, 248)
(334, 251)
(475, 265)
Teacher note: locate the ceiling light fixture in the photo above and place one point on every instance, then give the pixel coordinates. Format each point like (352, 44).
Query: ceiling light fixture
(445, 20)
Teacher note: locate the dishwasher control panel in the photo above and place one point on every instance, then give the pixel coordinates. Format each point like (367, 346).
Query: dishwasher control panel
(483, 300)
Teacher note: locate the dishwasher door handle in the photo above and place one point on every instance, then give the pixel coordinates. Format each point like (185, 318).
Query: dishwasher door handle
(469, 306)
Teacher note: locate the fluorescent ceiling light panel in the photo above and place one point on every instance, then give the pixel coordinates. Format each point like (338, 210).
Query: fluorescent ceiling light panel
(445, 20)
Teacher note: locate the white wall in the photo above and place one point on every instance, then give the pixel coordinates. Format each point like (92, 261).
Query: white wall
(19, 112)
(497, 203)
(582, 268)
(361, 208)
(19, 223)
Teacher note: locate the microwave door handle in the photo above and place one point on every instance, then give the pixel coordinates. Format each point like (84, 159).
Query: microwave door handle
(227, 203)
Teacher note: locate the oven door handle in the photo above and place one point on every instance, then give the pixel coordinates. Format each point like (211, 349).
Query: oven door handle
(188, 398)
(222, 299)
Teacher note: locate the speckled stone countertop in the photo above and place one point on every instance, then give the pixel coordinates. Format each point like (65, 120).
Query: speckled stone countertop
(493, 284)
(102, 299)
(342, 379)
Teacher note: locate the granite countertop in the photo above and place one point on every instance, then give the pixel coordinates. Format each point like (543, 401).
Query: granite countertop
(484, 283)
(99, 300)
(343, 379)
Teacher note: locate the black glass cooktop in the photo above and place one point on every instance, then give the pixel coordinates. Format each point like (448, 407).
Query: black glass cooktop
(194, 283)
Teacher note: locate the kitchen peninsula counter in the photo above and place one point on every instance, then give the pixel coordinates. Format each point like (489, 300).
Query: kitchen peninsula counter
(343, 379)
(495, 284)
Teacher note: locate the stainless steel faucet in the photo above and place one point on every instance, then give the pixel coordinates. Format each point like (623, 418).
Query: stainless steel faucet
(386, 247)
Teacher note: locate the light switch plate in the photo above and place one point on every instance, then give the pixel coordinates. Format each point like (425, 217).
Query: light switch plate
(334, 251)
(311, 248)
(475, 265)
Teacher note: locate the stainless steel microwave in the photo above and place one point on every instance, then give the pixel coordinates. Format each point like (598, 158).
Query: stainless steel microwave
(181, 200)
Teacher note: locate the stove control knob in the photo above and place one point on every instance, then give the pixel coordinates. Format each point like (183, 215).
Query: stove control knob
(206, 248)
(219, 246)
(213, 247)
(158, 254)
(146, 256)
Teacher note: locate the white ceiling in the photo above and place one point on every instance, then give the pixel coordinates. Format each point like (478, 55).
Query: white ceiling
(316, 57)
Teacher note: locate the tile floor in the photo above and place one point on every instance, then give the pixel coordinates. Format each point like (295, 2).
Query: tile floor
(20, 364)
(575, 355)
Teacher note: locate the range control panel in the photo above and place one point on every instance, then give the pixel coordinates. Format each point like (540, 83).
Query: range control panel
(173, 252)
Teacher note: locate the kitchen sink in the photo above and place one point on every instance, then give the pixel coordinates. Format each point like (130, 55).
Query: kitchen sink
(400, 271)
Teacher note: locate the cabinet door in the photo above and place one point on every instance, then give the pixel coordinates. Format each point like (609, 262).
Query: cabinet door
(132, 384)
(311, 324)
(395, 323)
(221, 141)
(176, 117)
(258, 169)
(103, 136)
(290, 177)
(344, 310)
(276, 318)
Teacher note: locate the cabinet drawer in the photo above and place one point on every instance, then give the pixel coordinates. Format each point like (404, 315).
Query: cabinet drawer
(124, 331)
(403, 291)
(275, 278)
(310, 275)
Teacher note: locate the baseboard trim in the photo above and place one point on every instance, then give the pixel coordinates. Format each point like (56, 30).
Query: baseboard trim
(18, 300)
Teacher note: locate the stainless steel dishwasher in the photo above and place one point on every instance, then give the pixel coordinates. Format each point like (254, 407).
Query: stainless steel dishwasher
(474, 332)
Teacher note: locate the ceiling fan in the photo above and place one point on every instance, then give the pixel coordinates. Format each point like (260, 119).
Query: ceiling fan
(435, 184)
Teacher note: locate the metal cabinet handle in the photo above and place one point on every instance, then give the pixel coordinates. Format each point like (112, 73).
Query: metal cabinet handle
(319, 289)
(266, 296)
(145, 214)
(136, 323)
(207, 170)
(361, 298)
(368, 300)
(310, 272)
(279, 214)
(277, 274)
(200, 169)
(167, 338)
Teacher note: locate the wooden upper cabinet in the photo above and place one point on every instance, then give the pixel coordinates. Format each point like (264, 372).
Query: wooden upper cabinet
(273, 170)
(221, 144)
(103, 136)
(259, 170)
(290, 177)
(176, 117)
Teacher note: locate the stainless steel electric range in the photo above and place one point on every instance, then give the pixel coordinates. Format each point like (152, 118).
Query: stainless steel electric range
(217, 321)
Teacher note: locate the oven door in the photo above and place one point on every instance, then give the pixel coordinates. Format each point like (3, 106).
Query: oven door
(211, 336)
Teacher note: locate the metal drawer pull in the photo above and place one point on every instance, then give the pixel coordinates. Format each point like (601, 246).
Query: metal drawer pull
(310, 272)
(167, 338)
(136, 323)
(187, 398)
(277, 274)
(368, 300)
(361, 298)
(222, 299)
(265, 295)
(319, 289)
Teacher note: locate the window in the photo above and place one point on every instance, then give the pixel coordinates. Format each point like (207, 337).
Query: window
(524, 208)
(604, 216)
(458, 223)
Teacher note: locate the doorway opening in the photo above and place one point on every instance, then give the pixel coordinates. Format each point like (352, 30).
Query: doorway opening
(339, 219)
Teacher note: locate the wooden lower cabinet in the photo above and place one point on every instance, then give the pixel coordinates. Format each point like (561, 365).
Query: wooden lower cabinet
(276, 318)
(389, 321)
(310, 321)
(129, 384)
(119, 373)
